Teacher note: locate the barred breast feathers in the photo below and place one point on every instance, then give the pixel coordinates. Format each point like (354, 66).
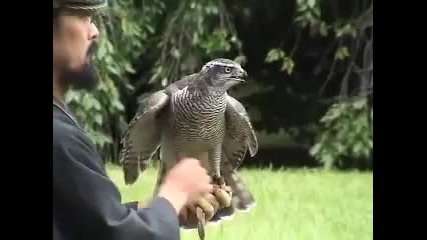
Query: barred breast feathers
(198, 114)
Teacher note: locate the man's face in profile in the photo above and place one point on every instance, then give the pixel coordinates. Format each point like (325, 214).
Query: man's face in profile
(74, 37)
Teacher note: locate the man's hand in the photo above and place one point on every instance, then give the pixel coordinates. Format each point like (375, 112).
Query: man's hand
(210, 203)
(185, 183)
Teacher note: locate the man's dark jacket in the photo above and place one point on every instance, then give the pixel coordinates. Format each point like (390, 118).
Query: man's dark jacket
(87, 204)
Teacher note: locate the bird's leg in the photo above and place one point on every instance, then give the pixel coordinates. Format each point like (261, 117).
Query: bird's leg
(215, 159)
(160, 177)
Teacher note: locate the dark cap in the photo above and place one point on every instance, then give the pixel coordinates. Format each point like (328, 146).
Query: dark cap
(81, 5)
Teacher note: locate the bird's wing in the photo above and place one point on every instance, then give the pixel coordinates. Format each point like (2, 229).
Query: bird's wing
(143, 135)
(168, 159)
(240, 136)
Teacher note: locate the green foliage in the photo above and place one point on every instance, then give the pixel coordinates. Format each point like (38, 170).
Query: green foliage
(346, 134)
(341, 53)
(194, 31)
(275, 55)
(308, 12)
(308, 16)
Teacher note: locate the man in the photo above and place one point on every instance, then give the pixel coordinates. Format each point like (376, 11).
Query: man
(86, 203)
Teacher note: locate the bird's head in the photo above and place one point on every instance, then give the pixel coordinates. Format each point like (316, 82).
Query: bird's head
(223, 73)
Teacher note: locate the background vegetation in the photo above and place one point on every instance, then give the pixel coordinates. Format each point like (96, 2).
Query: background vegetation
(310, 63)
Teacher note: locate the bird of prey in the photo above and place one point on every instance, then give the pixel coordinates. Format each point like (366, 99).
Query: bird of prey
(195, 117)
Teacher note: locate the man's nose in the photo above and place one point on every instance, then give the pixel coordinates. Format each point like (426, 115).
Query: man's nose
(93, 32)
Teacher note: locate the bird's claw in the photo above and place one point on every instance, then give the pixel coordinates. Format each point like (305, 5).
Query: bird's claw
(201, 222)
(218, 180)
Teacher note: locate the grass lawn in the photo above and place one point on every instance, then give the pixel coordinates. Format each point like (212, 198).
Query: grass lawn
(291, 205)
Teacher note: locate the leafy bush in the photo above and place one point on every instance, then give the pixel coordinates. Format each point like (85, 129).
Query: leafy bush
(345, 135)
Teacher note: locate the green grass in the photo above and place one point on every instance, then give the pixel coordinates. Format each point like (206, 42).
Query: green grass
(291, 205)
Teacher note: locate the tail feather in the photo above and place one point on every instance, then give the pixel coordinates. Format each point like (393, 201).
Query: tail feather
(242, 199)
(131, 171)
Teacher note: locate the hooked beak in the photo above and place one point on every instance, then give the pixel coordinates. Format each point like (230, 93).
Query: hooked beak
(241, 76)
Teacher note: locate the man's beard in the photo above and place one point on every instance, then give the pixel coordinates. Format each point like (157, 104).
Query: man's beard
(85, 78)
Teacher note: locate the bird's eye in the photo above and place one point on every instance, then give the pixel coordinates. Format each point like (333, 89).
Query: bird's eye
(227, 69)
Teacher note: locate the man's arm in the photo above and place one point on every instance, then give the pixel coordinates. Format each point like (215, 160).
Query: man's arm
(90, 201)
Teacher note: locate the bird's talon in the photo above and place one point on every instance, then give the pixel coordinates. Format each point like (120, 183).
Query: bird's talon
(219, 182)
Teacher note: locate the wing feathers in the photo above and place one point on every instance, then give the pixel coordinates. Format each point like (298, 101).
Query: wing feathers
(240, 135)
(142, 138)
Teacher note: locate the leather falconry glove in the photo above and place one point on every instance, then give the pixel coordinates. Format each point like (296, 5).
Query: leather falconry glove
(204, 209)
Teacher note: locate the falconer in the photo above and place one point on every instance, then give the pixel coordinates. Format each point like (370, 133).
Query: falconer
(86, 203)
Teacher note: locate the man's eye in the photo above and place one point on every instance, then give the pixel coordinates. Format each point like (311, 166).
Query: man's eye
(87, 18)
